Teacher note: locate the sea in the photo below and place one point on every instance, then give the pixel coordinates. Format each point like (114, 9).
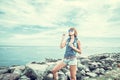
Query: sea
(21, 55)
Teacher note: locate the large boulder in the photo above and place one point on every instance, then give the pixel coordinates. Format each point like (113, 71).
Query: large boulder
(35, 71)
(9, 76)
(4, 70)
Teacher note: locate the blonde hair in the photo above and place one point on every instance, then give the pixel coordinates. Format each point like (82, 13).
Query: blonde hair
(75, 31)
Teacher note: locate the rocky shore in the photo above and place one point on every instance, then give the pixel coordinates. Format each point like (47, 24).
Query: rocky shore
(104, 66)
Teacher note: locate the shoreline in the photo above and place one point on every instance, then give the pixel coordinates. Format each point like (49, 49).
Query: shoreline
(91, 67)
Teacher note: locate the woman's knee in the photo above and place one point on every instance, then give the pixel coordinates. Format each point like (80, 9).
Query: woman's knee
(73, 77)
(53, 71)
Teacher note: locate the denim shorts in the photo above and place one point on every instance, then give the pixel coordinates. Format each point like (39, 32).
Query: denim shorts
(72, 61)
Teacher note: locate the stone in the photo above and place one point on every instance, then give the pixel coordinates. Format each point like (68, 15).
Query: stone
(81, 66)
(24, 78)
(17, 68)
(62, 76)
(85, 61)
(17, 71)
(85, 77)
(87, 69)
(1, 77)
(82, 72)
(64, 70)
(99, 71)
(91, 74)
(93, 66)
(10, 76)
(48, 77)
(36, 71)
(68, 74)
(30, 73)
(3, 71)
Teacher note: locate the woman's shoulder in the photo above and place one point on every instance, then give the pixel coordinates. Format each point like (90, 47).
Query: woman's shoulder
(78, 41)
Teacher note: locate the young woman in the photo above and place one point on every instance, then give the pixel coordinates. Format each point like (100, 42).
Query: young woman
(72, 47)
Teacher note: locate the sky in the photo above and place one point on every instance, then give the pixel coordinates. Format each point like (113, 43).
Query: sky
(42, 22)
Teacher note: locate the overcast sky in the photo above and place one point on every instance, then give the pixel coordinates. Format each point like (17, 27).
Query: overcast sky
(42, 22)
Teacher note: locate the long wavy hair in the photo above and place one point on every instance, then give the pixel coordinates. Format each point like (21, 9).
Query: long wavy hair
(75, 31)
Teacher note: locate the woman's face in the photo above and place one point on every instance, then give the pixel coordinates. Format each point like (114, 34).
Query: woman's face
(71, 32)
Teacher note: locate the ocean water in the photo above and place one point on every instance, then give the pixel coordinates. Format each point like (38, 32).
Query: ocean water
(20, 55)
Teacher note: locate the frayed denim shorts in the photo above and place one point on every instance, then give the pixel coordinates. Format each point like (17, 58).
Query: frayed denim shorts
(70, 61)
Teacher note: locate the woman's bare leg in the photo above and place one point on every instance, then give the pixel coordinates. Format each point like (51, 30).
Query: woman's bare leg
(73, 69)
(57, 68)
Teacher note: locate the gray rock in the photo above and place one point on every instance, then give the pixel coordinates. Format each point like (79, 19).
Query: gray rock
(10, 76)
(30, 73)
(68, 74)
(24, 78)
(82, 72)
(114, 64)
(91, 74)
(64, 70)
(3, 71)
(107, 68)
(81, 67)
(87, 69)
(98, 57)
(78, 75)
(1, 77)
(48, 77)
(99, 71)
(37, 71)
(93, 66)
(62, 76)
(17, 71)
(86, 77)
(85, 61)
(109, 60)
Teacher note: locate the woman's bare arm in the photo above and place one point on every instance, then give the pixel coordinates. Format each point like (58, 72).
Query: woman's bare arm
(63, 41)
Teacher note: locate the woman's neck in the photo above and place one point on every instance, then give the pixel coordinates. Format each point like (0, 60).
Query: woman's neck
(72, 36)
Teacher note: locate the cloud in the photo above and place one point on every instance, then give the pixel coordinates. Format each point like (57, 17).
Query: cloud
(43, 22)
